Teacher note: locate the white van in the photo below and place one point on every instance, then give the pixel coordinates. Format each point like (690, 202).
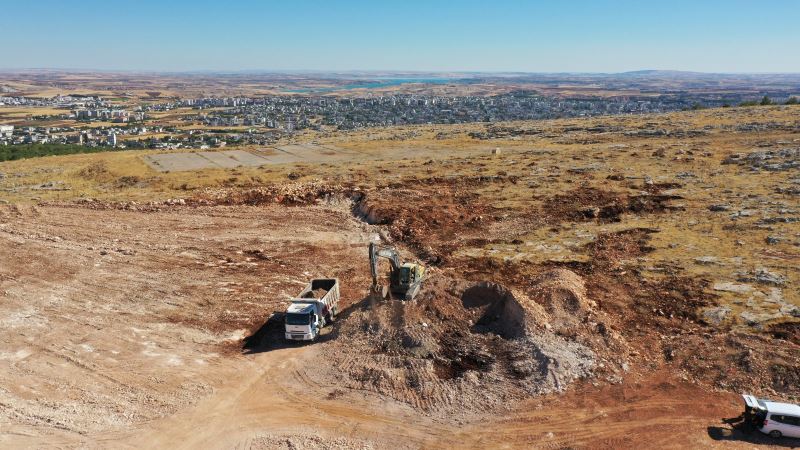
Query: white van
(773, 418)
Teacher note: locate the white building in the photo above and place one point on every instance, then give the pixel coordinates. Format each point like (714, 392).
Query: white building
(112, 139)
(6, 130)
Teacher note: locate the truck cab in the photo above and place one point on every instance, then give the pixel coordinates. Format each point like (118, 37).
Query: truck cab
(303, 321)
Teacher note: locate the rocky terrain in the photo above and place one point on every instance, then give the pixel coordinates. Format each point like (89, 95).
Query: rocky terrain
(638, 279)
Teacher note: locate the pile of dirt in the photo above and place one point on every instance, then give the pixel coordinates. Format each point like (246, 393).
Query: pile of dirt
(587, 203)
(289, 194)
(473, 347)
(316, 293)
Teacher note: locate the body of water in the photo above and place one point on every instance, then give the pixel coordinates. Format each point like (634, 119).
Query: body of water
(378, 83)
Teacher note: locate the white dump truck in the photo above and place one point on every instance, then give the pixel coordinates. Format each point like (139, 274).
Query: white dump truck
(315, 307)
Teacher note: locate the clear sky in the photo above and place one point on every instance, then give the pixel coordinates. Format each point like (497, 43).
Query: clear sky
(466, 35)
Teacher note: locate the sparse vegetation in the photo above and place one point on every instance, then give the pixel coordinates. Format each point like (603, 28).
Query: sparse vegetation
(659, 219)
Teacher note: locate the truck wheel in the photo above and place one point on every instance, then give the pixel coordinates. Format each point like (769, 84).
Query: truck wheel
(775, 434)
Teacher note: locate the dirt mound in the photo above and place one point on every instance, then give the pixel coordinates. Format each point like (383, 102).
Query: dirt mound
(316, 293)
(562, 293)
(586, 204)
(611, 250)
(469, 346)
(290, 194)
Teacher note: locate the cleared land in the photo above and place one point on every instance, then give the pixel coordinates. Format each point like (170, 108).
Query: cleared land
(595, 281)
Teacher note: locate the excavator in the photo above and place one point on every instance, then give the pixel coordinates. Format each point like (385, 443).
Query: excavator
(405, 279)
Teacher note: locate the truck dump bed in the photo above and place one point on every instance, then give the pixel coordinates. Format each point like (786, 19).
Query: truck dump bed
(324, 290)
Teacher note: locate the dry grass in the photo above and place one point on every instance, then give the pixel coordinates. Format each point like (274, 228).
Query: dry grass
(543, 165)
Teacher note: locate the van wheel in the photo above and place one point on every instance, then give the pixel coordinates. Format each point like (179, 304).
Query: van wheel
(775, 434)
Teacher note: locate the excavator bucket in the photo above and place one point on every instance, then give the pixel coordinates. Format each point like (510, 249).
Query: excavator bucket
(412, 292)
(379, 292)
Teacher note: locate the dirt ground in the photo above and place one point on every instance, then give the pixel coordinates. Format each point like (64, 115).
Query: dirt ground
(587, 288)
(123, 328)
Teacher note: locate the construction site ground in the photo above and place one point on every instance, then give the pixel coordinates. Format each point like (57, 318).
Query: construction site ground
(596, 283)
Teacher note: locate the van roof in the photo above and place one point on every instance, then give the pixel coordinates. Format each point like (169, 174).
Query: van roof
(783, 408)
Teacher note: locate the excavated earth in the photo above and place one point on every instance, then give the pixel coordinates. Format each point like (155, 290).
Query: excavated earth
(129, 321)
(465, 348)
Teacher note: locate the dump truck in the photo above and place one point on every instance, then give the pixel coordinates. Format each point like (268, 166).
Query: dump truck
(315, 307)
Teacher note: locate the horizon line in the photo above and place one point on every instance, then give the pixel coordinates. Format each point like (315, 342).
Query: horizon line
(378, 71)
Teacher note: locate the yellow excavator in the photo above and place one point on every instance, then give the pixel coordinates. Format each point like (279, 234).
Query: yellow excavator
(405, 278)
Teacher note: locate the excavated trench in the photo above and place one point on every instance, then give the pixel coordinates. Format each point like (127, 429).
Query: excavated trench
(500, 313)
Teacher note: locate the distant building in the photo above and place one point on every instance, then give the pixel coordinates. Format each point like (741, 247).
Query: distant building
(6, 130)
(112, 140)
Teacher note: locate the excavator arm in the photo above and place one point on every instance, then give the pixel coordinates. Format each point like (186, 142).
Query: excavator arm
(376, 252)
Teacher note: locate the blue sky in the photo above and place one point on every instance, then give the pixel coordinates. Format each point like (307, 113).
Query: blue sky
(489, 35)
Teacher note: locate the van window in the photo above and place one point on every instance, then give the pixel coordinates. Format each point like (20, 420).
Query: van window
(788, 420)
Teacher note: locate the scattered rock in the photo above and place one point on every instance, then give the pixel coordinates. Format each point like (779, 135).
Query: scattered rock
(707, 261)
(719, 208)
(763, 276)
(732, 287)
(715, 316)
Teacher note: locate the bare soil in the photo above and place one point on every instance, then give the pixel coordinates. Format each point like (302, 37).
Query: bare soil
(144, 314)
(579, 297)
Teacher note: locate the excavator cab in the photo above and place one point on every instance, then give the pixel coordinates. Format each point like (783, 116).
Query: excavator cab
(406, 276)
